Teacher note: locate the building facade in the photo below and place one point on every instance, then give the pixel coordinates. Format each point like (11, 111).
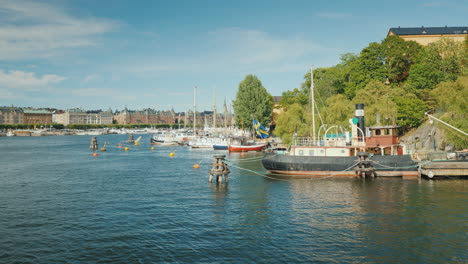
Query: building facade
(79, 116)
(146, 116)
(11, 115)
(427, 35)
(33, 116)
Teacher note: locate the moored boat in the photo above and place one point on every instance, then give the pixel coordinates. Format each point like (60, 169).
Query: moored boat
(377, 154)
(246, 148)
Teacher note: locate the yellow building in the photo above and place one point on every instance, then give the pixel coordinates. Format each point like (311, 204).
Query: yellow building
(37, 116)
(426, 35)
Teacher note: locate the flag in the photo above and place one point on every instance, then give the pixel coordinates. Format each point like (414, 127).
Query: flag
(260, 130)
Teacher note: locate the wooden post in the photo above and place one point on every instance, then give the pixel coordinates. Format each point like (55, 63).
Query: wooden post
(219, 169)
(94, 144)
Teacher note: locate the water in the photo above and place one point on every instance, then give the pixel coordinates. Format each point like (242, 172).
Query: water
(59, 204)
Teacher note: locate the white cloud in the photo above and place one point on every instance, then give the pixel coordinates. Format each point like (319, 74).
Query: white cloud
(250, 47)
(27, 80)
(31, 30)
(92, 92)
(6, 94)
(234, 49)
(108, 93)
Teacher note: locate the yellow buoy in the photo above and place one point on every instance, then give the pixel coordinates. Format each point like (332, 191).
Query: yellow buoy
(171, 154)
(196, 166)
(152, 148)
(137, 144)
(126, 148)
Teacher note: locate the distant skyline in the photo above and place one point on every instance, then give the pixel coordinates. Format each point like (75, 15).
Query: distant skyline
(139, 54)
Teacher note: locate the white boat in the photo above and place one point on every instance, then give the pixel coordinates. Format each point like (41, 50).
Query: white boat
(172, 137)
(208, 142)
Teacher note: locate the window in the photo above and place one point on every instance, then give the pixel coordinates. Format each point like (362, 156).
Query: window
(377, 132)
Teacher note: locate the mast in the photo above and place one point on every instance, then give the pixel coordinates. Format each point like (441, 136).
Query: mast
(195, 110)
(225, 117)
(178, 120)
(312, 101)
(214, 109)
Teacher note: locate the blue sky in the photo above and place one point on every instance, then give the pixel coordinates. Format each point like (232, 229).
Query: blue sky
(97, 54)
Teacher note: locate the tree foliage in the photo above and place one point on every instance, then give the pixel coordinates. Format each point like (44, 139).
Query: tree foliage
(396, 80)
(252, 102)
(440, 61)
(294, 120)
(452, 100)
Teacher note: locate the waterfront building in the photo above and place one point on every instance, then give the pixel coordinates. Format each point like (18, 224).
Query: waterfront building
(426, 35)
(37, 116)
(11, 115)
(145, 116)
(80, 116)
(99, 117)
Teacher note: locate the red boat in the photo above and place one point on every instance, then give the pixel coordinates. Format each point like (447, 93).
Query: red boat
(245, 148)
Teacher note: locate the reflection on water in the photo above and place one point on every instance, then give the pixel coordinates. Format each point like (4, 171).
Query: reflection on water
(59, 204)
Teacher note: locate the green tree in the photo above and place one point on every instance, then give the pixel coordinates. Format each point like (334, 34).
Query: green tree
(410, 111)
(295, 96)
(378, 100)
(439, 61)
(368, 66)
(252, 102)
(338, 111)
(293, 120)
(399, 55)
(452, 100)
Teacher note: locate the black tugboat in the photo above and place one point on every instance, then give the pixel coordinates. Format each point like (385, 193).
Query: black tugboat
(371, 151)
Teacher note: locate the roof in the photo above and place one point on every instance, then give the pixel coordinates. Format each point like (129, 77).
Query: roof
(36, 111)
(428, 31)
(10, 109)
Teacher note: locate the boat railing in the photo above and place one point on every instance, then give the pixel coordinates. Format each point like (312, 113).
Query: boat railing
(306, 141)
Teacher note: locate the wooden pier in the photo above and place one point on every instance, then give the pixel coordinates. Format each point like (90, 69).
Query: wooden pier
(445, 168)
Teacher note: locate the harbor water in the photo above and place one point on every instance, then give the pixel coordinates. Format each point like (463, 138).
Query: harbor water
(60, 204)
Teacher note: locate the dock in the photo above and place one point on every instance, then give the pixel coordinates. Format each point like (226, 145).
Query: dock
(447, 168)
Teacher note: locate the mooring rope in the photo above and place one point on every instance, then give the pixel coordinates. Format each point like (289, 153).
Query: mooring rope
(403, 167)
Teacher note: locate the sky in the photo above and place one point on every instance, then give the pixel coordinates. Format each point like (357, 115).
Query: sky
(100, 54)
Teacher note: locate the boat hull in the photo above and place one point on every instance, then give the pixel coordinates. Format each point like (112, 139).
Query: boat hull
(240, 148)
(285, 166)
(220, 147)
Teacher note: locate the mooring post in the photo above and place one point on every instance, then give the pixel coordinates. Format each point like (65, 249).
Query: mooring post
(219, 169)
(364, 167)
(94, 144)
(130, 139)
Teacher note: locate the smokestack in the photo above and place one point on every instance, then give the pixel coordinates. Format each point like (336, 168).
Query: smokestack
(359, 113)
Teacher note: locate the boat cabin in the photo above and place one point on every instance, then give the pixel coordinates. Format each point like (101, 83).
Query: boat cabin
(383, 140)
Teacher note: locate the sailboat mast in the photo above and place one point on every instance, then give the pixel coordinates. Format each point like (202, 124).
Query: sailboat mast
(312, 102)
(225, 117)
(195, 110)
(214, 109)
